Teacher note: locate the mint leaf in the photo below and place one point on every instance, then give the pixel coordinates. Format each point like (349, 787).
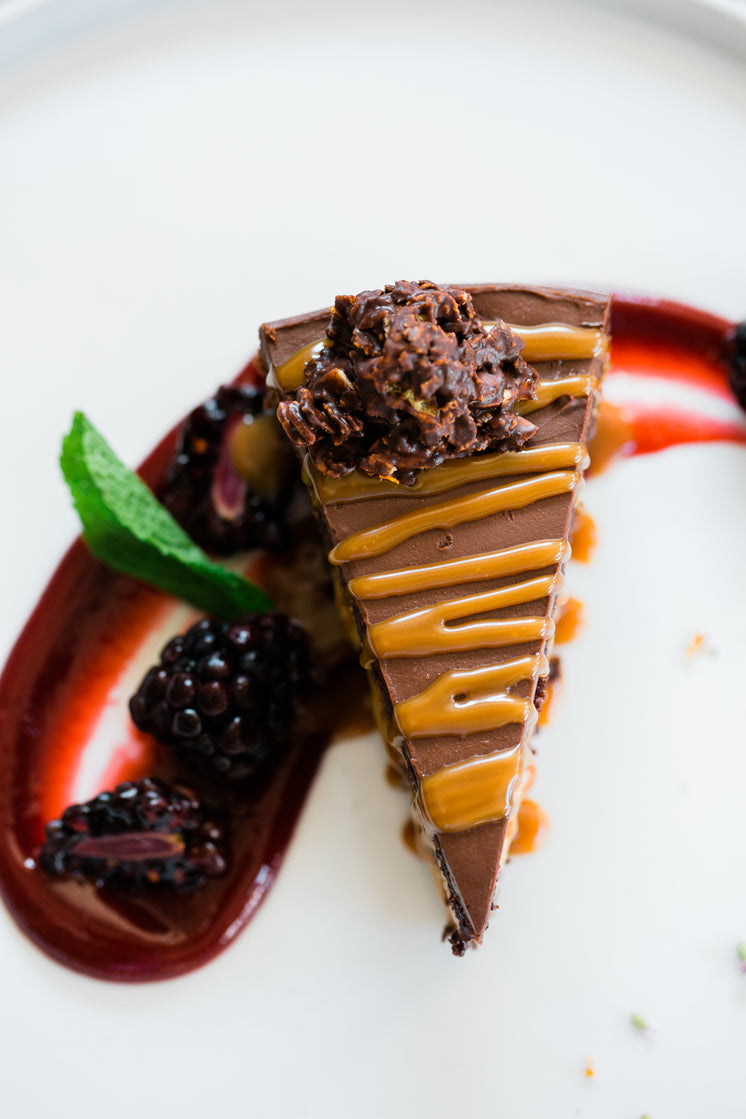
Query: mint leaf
(129, 530)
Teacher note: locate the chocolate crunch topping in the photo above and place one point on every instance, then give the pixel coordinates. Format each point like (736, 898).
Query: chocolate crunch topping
(408, 378)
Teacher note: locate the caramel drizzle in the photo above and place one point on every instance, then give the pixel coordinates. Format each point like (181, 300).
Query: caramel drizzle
(449, 475)
(470, 701)
(475, 791)
(429, 630)
(477, 700)
(556, 341)
(549, 391)
(446, 514)
(472, 569)
(288, 376)
(547, 342)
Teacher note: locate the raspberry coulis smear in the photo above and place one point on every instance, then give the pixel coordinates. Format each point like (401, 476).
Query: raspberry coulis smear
(64, 679)
(671, 344)
(65, 685)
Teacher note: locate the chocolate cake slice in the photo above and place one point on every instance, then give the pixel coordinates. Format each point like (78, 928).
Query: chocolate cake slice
(444, 434)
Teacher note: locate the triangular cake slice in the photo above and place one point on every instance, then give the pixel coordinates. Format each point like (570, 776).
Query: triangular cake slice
(453, 581)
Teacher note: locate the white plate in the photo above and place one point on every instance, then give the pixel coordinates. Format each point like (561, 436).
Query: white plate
(170, 178)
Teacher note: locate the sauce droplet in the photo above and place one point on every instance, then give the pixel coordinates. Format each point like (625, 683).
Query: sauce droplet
(533, 828)
(584, 536)
(569, 621)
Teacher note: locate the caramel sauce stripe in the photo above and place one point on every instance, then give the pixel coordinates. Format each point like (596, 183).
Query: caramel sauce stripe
(472, 569)
(449, 475)
(470, 701)
(549, 391)
(548, 342)
(462, 796)
(558, 342)
(427, 631)
(447, 514)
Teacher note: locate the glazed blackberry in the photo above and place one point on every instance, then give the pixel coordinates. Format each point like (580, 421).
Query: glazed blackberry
(144, 834)
(231, 478)
(737, 363)
(226, 695)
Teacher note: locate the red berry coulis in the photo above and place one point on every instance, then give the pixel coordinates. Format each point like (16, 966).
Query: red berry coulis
(671, 342)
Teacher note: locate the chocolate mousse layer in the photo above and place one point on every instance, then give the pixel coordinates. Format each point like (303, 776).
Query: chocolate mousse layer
(452, 582)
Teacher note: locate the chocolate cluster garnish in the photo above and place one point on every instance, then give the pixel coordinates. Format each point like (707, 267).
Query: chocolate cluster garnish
(408, 379)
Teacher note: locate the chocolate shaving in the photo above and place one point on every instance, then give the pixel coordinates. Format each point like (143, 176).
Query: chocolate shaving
(409, 379)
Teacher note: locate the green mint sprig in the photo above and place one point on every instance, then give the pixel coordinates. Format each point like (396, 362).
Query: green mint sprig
(129, 530)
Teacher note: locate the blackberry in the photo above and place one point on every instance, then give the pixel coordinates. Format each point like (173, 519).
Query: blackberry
(143, 834)
(232, 476)
(737, 362)
(225, 695)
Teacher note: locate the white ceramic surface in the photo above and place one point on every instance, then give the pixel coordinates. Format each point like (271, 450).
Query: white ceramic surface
(170, 178)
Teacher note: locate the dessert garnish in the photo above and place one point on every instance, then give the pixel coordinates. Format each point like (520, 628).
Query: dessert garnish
(407, 378)
(232, 476)
(741, 953)
(226, 694)
(639, 1022)
(452, 578)
(127, 528)
(142, 835)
